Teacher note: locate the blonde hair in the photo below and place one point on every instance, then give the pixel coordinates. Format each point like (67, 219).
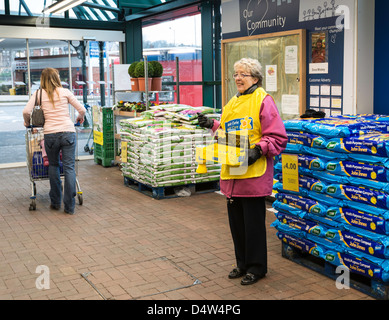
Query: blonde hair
(50, 81)
(251, 65)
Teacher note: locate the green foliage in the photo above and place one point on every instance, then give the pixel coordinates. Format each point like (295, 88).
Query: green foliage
(158, 69)
(131, 69)
(140, 70)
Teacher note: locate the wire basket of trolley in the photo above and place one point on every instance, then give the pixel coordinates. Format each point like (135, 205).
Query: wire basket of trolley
(51, 141)
(38, 164)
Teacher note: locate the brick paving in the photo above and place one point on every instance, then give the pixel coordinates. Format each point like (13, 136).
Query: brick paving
(124, 245)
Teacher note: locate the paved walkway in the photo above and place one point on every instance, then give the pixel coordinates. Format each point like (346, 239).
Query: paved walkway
(121, 244)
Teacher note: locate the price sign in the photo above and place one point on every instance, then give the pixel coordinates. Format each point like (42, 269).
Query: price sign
(290, 172)
(98, 137)
(124, 151)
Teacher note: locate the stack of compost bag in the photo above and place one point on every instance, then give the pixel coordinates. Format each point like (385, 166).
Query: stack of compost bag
(341, 212)
(161, 150)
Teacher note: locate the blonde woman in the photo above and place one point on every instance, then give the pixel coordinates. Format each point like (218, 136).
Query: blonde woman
(59, 135)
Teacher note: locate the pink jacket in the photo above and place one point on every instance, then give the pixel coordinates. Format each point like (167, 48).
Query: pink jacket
(57, 117)
(273, 142)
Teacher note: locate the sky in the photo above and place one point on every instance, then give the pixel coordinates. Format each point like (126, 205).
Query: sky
(185, 31)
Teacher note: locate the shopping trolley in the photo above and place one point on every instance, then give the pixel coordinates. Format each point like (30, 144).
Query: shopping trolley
(89, 121)
(37, 169)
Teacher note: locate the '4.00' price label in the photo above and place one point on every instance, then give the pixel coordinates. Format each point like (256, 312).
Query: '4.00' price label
(290, 172)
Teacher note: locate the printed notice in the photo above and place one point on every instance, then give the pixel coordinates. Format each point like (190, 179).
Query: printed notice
(290, 104)
(336, 103)
(98, 137)
(271, 78)
(315, 90)
(291, 60)
(290, 172)
(336, 90)
(318, 68)
(124, 151)
(325, 102)
(325, 90)
(314, 102)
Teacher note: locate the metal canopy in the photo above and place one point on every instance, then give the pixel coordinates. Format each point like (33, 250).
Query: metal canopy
(91, 10)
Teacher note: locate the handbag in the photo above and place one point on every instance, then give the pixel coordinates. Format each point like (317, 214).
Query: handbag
(37, 115)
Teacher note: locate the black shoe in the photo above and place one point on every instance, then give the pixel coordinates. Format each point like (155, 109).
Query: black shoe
(55, 207)
(68, 212)
(236, 273)
(250, 278)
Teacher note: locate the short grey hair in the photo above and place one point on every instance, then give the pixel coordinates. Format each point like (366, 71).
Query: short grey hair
(251, 65)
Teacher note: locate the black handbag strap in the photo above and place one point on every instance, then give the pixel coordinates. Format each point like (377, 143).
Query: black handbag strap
(40, 98)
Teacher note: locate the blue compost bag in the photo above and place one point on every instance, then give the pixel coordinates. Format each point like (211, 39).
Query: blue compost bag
(306, 182)
(360, 219)
(372, 144)
(304, 225)
(296, 125)
(355, 261)
(301, 244)
(285, 208)
(358, 170)
(362, 117)
(365, 241)
(325, 199)
(323, 154)
(306, 139)
(359, 194)
(302, 203)
(279, 187)
(341, 128)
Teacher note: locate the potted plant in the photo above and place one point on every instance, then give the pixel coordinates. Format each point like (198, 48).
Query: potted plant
(140, 74)
(134, 78)
(156, 84)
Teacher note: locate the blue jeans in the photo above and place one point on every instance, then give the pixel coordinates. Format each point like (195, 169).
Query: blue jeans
(54, 143)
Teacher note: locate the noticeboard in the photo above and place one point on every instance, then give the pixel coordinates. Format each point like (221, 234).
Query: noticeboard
(283, 59)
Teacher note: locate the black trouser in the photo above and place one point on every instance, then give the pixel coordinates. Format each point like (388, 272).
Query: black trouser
(247, 223)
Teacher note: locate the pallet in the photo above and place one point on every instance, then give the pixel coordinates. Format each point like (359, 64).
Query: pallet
(168, 191)
(371, 287)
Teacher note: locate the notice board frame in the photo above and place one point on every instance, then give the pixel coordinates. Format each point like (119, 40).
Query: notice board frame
(302, 62)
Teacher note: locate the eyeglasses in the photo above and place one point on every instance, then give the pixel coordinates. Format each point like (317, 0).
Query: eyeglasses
(242, 75)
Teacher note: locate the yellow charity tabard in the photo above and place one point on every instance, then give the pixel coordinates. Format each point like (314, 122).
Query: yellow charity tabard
(242, 114)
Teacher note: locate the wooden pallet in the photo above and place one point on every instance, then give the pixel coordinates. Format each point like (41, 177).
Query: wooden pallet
(168, 191)
(372, 287)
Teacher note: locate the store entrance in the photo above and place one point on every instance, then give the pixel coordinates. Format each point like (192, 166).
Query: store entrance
(21, 64)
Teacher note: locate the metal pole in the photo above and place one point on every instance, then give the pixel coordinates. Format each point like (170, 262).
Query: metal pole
(28, 68)
(72, 114)
(146, 82)
(101, 64)
(70, 68)
(178, 80)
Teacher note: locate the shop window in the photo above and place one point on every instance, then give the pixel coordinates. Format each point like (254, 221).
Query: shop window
(74, 68)
(178, 36)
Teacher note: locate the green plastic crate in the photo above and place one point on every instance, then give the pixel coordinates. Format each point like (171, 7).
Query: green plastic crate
(105, 154)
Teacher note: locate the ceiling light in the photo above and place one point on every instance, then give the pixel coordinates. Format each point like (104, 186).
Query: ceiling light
(63, 5)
